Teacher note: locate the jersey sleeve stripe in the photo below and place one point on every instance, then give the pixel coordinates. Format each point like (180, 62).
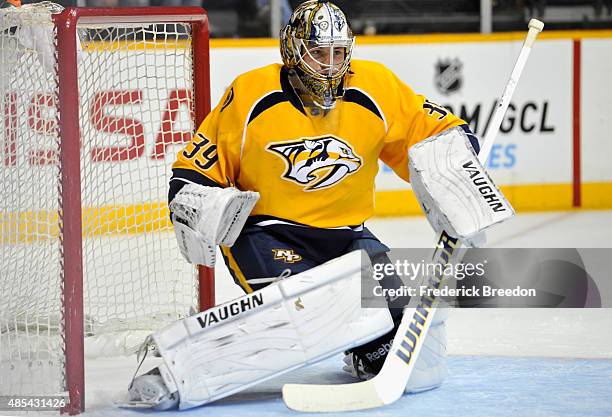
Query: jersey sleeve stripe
(250, 117)
(267, 102)
(358, 96)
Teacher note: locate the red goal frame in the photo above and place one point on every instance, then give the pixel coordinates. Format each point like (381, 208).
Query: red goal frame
(71, 211)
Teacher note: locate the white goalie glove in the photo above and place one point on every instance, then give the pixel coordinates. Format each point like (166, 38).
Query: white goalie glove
(453, 188)
(205, 217)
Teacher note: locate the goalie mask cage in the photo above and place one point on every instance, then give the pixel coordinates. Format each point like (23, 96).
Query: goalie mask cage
(93, 103)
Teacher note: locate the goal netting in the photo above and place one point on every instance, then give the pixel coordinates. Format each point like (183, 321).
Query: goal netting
(92, 115)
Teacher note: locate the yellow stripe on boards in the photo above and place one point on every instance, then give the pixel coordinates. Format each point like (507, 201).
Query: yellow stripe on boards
(479, 37)
(134, 45)
(597, 195)
(524, 198)
(31, 226)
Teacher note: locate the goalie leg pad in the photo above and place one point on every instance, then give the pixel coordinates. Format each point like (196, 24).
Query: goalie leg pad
(291, 323)
(453, 188)
(430, 368)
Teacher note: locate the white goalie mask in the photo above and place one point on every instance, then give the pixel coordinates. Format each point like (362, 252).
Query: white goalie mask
(317, 43)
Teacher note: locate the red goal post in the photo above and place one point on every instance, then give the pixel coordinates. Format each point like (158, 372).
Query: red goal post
(66, 24)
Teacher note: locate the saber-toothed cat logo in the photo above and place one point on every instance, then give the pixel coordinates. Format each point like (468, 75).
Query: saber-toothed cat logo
(317, 162)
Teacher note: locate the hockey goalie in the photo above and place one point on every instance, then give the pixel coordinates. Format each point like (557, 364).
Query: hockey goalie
(281, 175)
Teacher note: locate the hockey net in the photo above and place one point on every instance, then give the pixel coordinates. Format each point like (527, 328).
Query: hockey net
(94, 104)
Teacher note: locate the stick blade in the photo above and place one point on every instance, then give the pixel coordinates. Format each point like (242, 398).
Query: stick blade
(330, 398)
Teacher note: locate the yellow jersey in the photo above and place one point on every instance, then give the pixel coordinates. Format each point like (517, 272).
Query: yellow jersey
(314, 169)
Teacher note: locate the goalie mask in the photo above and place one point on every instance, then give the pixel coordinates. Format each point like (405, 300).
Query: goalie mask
(317, 43)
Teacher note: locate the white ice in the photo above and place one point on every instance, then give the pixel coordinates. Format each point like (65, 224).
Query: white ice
(570, 333)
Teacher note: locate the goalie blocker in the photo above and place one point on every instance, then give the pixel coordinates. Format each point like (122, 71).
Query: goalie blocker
(454, 190)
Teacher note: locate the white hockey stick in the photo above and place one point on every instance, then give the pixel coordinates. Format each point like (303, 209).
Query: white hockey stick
(388, 386)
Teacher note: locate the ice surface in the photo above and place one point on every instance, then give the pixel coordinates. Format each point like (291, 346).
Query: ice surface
(513, 374)
(475, 387)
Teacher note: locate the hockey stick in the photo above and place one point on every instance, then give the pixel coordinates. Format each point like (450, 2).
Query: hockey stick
(388, 386)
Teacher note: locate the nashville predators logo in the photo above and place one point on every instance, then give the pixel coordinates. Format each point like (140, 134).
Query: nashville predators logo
(288, 256)
(317, 162)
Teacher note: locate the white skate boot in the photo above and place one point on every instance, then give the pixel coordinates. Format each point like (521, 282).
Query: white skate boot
(150, 391)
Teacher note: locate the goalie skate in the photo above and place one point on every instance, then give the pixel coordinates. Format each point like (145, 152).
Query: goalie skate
(150, 391)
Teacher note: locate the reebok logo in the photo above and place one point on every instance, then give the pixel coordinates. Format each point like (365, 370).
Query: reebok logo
(380, 353)
(482, 182)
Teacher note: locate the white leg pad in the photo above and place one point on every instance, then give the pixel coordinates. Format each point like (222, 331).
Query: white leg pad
(430, 369)
(291, 323)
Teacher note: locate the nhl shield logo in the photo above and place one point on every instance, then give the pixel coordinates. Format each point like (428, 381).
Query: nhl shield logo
(317, 163)
(448, 76)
